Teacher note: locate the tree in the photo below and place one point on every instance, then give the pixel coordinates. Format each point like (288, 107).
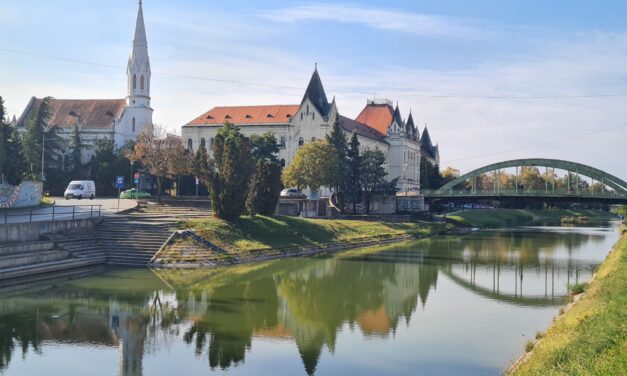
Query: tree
(76, 144)
(353, 188)
(372, 175)
(160, 154)
(265, 186)
(314, 166)
(11, 158)
(231, 169)
(36, 125)
(337, 139)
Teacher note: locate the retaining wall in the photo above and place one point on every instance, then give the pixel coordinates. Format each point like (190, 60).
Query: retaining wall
(26, 232)
(28, 193)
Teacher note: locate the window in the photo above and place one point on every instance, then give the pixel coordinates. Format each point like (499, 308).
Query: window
(133, 124)
(313, 115)
(282, 162)
(134, 82)
(313, 139)
(211, 142)
(300, 141)
(189, 144)
(307, 109)
(141, 82)
(301, 116)
(282, 143)
(202, 142)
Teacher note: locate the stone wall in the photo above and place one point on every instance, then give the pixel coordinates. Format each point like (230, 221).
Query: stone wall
(28, 193)
(25, 232)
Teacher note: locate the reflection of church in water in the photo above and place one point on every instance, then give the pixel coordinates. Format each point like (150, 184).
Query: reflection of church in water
(308, 302)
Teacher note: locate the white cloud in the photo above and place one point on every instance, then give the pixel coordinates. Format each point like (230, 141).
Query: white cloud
(378, 18)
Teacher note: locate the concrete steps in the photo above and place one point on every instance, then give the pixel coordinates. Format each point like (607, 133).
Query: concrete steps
(133, 239)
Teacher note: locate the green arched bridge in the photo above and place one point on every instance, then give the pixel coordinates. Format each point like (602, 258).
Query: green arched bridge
(466, 185)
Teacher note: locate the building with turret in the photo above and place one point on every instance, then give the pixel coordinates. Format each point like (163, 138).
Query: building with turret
(119, 119)
(378, 126)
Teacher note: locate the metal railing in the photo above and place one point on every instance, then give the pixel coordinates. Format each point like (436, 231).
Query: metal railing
(527, 192)
(49, 213)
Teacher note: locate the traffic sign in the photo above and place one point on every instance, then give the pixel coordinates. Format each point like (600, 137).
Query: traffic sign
(119, 182)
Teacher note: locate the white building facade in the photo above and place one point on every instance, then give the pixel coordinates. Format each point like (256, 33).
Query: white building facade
(379, 126)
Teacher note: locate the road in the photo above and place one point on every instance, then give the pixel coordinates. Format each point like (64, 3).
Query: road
(66, 209)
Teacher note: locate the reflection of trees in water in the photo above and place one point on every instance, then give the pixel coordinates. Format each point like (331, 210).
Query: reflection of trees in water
(307, 300)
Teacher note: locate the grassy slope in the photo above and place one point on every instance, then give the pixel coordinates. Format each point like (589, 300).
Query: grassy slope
(591, 338)
(491, 218)
(260, 233)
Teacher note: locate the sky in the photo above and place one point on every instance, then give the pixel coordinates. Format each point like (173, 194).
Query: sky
(493, 80)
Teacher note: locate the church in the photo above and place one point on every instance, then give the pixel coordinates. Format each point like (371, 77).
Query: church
(378, 126)
(120, 119)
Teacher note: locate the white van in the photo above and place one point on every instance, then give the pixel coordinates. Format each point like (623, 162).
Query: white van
(80, 189)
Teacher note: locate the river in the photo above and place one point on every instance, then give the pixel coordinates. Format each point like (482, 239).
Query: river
(458, 305)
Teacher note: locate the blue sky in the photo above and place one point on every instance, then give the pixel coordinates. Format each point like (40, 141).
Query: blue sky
(444, 60)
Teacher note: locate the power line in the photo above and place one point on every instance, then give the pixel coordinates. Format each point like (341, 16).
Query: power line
(392, 92)
(536, 145)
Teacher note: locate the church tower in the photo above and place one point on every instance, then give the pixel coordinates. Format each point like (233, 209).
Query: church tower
(137, 113)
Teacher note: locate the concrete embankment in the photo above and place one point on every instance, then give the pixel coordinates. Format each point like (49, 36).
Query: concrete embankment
(589, 337)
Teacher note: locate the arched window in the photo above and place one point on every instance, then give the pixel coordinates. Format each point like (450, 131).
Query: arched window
(202, 142)
(313, 115)
(141, 82)
(133, 124)
(282, 162)
(308, 109)
(134, 81)
(189, 144)
(300, 141)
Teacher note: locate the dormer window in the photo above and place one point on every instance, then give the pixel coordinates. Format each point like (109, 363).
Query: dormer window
(288, 116)
(109, 113)
(209, 117)
(248, 116)
(269, 116)
(72, 113)
(227, 117)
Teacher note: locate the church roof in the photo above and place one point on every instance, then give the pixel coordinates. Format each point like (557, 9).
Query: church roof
(247, 115)
(377, 116)
(350, 125)
(315, 93)
(65, 113)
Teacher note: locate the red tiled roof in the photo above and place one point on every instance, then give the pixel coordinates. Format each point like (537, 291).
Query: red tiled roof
(93, 113)
(377, 116)
(247, 115)
(350, 125)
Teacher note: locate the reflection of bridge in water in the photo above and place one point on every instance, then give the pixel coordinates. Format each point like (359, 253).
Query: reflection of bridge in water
(465, 186)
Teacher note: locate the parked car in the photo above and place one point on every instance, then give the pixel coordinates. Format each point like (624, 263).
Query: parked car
(292, 193)
(80, 189)
(133, 193)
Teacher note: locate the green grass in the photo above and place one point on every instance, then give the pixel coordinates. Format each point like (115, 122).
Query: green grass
(494, 218)
(263, 233)
(591, 338)
(578, 288)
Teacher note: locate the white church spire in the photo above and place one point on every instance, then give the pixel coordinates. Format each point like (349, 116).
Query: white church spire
(137, 113)
(138, 70)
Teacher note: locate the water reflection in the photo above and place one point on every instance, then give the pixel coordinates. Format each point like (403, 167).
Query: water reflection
(306, 302)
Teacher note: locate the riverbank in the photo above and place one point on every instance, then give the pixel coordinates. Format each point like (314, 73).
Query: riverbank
(251, 239)
(590, 337)
(497, 218)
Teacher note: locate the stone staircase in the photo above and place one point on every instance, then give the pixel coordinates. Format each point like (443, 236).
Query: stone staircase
(133, 239)
(54, 253)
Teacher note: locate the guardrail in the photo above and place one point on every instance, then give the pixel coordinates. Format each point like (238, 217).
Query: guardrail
(521, 192)
(49, 213)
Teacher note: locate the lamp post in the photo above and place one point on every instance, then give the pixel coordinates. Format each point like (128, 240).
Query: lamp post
(131, 177)
(43, 154)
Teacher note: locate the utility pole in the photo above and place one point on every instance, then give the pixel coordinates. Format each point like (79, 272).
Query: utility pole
(43, 153)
